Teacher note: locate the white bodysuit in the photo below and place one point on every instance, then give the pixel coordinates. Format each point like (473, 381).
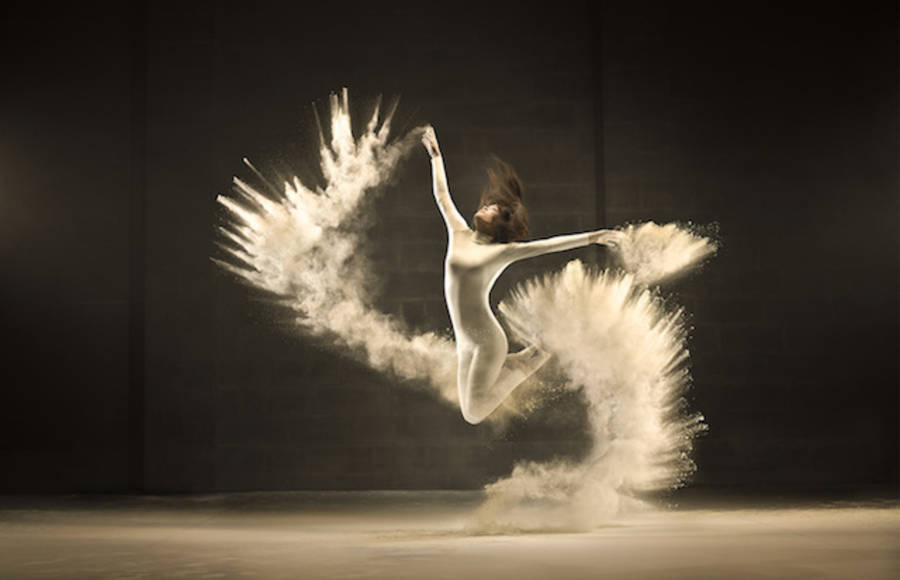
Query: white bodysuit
(487, 373)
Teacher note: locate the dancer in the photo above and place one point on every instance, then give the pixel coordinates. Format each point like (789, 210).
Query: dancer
(487, 373)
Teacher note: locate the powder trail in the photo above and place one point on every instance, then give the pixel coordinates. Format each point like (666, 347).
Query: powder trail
(612, 337)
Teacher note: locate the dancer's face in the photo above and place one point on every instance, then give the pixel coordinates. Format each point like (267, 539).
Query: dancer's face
(492, 213)
(494, 221)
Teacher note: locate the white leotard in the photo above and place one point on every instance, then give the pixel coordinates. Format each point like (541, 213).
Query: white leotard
(487, 373)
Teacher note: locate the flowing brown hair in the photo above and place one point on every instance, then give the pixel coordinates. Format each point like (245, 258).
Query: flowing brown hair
(504, 189)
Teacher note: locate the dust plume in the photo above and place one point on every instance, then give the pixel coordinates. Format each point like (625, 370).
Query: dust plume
(303, 246)
(624, 351)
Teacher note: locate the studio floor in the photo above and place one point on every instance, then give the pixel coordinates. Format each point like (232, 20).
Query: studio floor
(424, 535)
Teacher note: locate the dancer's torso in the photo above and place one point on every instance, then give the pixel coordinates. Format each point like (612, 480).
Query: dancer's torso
(470, 270)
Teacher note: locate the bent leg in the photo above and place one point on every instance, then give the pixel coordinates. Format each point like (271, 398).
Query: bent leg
(529, 359)
(464, 363)
(518, 367)
(493, 375)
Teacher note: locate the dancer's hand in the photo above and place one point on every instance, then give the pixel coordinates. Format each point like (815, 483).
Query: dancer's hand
(429, 139)
(611, 238)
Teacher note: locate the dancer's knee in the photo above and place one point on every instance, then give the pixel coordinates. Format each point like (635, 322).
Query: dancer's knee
(476, 406)
(472, 414)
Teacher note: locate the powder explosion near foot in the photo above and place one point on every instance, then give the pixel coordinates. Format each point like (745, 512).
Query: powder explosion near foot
(611, 335)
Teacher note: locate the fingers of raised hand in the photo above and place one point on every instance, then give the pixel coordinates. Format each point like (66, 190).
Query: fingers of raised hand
(430, 141)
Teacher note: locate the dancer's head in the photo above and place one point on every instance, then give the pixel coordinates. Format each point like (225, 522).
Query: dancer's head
(501, 214)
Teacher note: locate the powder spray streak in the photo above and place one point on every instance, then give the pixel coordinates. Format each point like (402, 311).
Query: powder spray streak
(611, 336)
(303, 247)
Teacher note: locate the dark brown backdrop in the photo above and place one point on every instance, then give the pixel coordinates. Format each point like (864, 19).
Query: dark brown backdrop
(133, 364)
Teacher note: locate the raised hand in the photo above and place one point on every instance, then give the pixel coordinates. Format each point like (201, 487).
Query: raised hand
(429, 139)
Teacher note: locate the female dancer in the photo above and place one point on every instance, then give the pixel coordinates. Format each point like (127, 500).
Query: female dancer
(487, 373)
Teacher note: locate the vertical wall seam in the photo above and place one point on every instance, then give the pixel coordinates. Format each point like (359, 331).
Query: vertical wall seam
(596, 14)
(137, 264)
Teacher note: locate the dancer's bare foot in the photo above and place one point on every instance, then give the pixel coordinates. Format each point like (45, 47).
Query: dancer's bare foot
(523, 333)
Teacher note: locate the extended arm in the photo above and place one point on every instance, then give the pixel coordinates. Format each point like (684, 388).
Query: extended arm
(522, 250)
(451, 215)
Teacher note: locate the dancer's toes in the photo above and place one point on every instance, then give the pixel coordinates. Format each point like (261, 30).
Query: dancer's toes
(520, 330)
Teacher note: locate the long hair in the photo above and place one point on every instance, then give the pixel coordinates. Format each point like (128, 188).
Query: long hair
(504, 189)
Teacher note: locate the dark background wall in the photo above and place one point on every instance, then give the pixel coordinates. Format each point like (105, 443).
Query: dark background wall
(134, 364)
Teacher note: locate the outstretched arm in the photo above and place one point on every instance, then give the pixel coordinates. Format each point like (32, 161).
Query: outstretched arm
(451, 215)
(522, 250)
